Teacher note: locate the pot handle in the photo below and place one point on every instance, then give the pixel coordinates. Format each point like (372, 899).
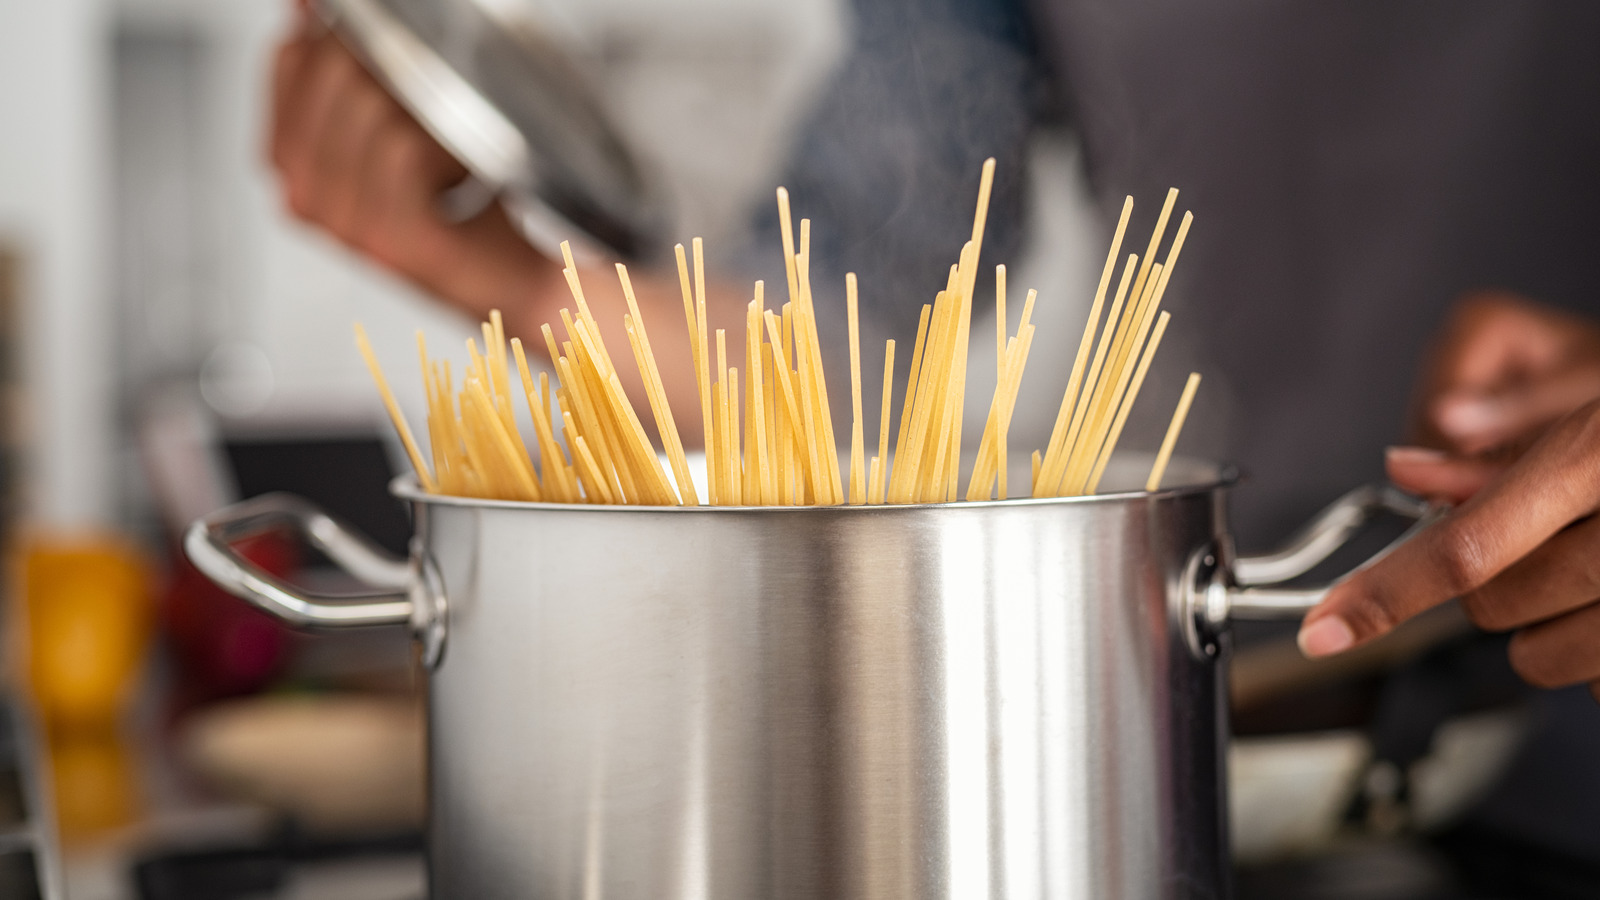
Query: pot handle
(1253, 597)
(1317, 539)
(207, 545)
(1217, 596)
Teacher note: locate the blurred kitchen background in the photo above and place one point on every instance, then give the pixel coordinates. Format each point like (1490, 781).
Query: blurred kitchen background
(170, 340)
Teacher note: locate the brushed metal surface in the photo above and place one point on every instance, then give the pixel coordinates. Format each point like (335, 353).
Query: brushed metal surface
(990, 700)
(962, 701)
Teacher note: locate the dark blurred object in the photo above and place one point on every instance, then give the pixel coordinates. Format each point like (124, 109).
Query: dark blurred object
(1464, 675)
(347, 476)
(1496, 865)
(393, 867)
(28, 855)
(511, 107)
(1360, 870)
(224, 646)
(13, 803)
(19, 875)
(1445, 672)
(1457, 865)
(1405, 748)
(199, 461)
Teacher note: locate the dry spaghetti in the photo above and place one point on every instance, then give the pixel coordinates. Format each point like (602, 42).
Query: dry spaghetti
(769, 438)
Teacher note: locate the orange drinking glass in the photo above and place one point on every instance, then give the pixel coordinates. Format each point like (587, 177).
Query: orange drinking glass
(86, 603)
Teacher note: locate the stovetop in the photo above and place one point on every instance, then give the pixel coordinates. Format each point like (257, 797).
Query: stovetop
(1462, 865)
(289, 866)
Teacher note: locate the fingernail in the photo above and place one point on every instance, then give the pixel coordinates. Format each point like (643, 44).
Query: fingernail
(1325, 637)
(1414, 455)
(1464, 416)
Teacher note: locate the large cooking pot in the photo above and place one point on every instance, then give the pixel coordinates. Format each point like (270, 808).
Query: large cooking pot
(1014, 699)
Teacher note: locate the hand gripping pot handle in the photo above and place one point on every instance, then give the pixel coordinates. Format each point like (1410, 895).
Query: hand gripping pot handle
(1215, 595)
(404, 592)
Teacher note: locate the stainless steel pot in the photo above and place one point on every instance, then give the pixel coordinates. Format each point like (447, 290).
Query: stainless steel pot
(1016, 699)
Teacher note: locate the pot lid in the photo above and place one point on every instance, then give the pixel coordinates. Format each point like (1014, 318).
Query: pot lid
(510, 105)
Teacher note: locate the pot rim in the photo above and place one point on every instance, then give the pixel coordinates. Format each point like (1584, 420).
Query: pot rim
(405, 487)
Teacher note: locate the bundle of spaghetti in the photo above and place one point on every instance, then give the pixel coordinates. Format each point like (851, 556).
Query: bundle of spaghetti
(769, 439)
(928, 451)
(991, 449)
(1101, 391)
(476, 442)
(480, 452)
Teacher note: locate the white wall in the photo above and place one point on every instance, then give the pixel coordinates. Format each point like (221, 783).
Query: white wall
(53, 201)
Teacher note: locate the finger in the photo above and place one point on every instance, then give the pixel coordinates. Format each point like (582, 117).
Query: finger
(389, 215)
(1430, 473)
(1555, 484)
(400, 223)
(343, 156)
(288, 71)
(329, 70)
(1559, 576)
(1475, 421)
(1562, 651)
(301, 62)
